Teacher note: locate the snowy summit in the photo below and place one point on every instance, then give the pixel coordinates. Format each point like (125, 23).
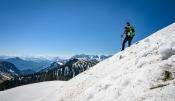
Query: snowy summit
(143, 72)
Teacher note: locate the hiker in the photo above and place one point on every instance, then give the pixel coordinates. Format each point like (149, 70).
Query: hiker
(129, 33)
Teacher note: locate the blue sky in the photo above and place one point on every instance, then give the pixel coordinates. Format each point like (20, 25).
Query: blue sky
(65, 27)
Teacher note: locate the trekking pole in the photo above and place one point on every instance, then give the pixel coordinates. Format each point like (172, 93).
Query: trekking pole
(121, 39)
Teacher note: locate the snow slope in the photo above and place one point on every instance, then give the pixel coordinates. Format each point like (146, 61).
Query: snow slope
(31, 92)
(143, 72)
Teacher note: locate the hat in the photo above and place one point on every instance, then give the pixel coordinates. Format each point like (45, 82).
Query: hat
(127, 23)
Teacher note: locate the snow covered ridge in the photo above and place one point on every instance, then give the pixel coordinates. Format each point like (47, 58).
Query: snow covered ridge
(136, 74)
(143, 72)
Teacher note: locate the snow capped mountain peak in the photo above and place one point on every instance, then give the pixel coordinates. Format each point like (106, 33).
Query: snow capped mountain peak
(90, 57)
(143, 72)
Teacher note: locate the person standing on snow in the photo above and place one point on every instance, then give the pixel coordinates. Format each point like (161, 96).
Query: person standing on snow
(129, 33)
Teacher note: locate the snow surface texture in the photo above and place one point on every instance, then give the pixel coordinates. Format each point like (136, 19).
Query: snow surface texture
(143, 72)
(31, 92)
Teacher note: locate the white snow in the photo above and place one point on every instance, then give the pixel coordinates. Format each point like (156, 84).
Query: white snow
(31, 92)
(136, 74)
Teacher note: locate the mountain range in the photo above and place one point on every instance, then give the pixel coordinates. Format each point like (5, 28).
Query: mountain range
(58, 70)
(33, 64)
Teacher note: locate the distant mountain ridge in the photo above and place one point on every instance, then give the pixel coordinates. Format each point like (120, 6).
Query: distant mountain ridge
(90, 57)
(37, 64)
(54, 72)
(58, 70)
(25, 64)
(8, 71)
